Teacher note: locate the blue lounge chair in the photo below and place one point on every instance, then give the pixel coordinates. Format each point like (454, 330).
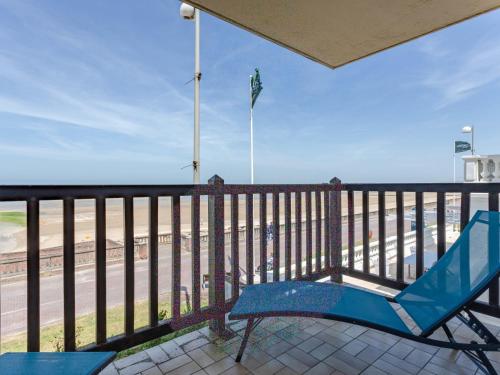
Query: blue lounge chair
(445, 291)
(75, 363)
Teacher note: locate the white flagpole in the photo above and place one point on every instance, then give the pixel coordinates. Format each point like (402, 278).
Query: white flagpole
(251, 135)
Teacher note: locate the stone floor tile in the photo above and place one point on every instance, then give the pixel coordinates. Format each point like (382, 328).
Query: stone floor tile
(201, 358)
(320, 369)
(155, 370)
(355, 331)
(401, 350)
(236, 370)
(137, 368)
(372, 370)
(323, 351)
(174, 363)
(310, 344)
(286, 371)
(195, 344)
(157, 354)
(278, 349)
(131, 359)
(109, 370)
(418, 358)
(370, 354)
(292, 362)
(220, 366)
(172, 349)
(354, 347)
(402, 364)
(269, 368)
(389, 368)
(214, 351)
(187, 369)
(184, 339)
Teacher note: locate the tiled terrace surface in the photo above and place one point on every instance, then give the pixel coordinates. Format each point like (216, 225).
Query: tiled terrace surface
(303, 346)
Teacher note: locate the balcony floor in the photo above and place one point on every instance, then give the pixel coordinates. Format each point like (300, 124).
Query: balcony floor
(303, 346)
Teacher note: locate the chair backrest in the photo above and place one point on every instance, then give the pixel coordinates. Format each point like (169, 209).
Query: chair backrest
(459, 277)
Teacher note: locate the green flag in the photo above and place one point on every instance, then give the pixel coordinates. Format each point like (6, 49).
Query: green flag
(462, 146)
(256, 86)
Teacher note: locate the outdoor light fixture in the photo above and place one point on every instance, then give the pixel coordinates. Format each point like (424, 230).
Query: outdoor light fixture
(187, 11)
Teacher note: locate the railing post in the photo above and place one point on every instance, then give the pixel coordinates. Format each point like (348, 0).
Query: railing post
(216, 294)
(336, 230)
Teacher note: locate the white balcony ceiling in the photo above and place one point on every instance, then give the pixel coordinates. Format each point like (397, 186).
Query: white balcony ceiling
(336, 32)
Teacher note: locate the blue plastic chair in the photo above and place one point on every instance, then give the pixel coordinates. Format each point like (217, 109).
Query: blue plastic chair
(445, 291)
(74, 363)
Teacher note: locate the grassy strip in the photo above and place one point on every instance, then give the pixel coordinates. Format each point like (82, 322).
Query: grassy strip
(52, 337)
(14, 217)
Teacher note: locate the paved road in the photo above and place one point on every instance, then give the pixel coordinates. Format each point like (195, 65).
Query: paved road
(13, 303)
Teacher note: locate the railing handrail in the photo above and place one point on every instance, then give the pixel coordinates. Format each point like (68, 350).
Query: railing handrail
(429, 187)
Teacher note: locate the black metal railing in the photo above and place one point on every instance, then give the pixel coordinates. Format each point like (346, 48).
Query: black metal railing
(327, 254)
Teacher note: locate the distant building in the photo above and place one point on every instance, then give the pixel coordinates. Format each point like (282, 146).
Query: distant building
(481, 168)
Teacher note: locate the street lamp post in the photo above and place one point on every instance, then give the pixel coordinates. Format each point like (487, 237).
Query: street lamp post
(190, 13)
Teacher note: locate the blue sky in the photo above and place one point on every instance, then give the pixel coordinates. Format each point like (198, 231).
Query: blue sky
(95, 92)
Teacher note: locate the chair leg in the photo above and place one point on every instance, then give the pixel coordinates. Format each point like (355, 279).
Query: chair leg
(248, 330)
(487, 363)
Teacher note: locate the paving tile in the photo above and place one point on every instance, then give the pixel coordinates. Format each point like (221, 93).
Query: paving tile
(334, 338)
(448, 365)
(187, 369)
(347, 364)
(174, 363)
(184, 339)
(389, 368)
(323, 351)
(278, 349)
(214, 351)
(157, 354)
(269, 368)
(372, 370)
(401, 350)
(418, 358)
(109, 370)
(293, 363)
(131, 359)
(201, 358)
(201, 372)
(194, 344)
(402, 364)
(355, 331)
(316, 328)
(172, 349)
(320, 369)
(220, 366)
(136, 368)
(354, 347)
(155, 370)
(286, 371)
(370, 354)
(236, 370)
(310, 344)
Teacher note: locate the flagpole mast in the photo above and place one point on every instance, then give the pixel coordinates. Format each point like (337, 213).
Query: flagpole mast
(251, 135)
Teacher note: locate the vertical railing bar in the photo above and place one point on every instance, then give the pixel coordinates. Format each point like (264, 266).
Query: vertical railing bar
(441, 224)
(176, 256)
(350, 229)
(493, 290)
(263, 237)
(335, 230)
(366, 240)
(400, 232)
(308, 234)
(381, 235)
(129, 265)
(33, 274)
(326, 229)
(317, 202)
(464, 210)
(153, 261)
(235, 262)
(276, 236)
(298, 235)
(419, 232)
(288, 236)
(195, 248)
(100, 248)
(249, 238)
(69, 274)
